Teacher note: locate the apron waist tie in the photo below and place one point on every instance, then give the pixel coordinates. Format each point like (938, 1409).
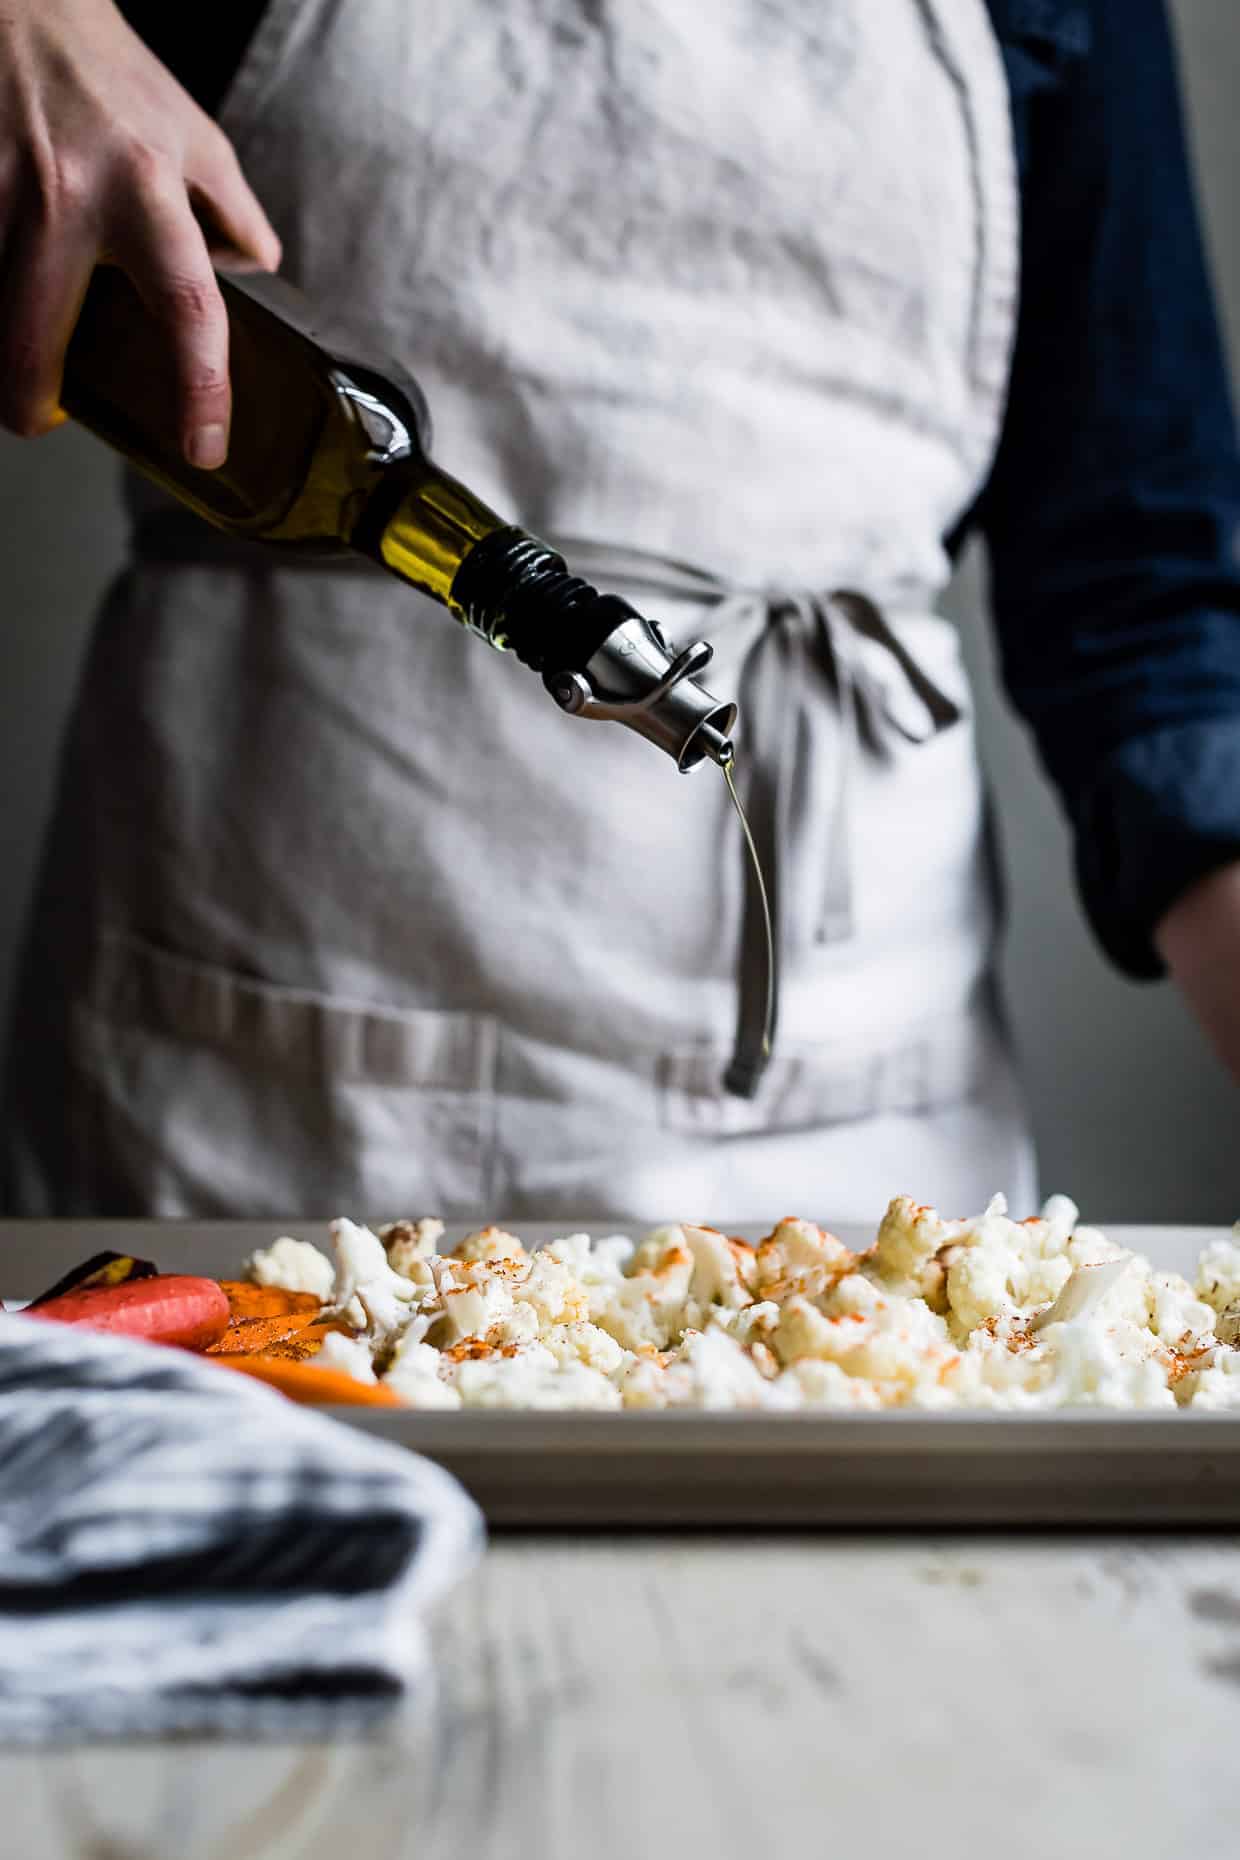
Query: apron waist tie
(801, 635)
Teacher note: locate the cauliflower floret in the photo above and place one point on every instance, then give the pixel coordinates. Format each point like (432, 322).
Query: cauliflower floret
(709, 1370)
(1218, 1272)
(724, 1270)
(586, 1343)
(802, 1330)
(854, 1295)
(908, 1237)
(520, 1326)
(646, 1309)
(609, 1257)
(751, 1325)
(367, 1291)
(472, 1310)
(1003, 1266)
(979, 1285)
(490, 1244)
(815, 1383)
(572, 1250)
(595, 1262)
(632, 1320)
(293, 1266)
(531, 1378)
(797, 1256)
(1089, 1246)
(1089, 1290)
(552, 1290)
(1175, 1315)
(900, 1346)
(409, 1244)
(908, 1356)
(1100, 1365)
(416, 1375)
(1216, 1385)
(352, 1354)
(1061, 1215)
(642, 1383)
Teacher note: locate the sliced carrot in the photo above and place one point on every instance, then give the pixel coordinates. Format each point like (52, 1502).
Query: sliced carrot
(312, 1384)
(260, 1301)
(248, 1336)
(299, 1345)
(171, 1308)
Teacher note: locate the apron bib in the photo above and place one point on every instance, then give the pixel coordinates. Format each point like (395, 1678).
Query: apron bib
(345, 913)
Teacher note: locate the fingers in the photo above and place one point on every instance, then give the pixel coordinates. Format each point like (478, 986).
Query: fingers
(104, 155)
(237, 230)
(161, 247)
(48, 259)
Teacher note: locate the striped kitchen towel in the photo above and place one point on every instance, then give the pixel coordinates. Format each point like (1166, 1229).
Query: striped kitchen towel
(181, 1549)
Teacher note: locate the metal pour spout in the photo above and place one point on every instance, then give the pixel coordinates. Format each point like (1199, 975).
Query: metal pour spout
(636, 677)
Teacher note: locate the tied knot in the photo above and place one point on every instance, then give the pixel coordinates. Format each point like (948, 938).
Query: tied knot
(802, 639)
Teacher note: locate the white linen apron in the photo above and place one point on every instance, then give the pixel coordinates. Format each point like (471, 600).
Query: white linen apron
(345, 914)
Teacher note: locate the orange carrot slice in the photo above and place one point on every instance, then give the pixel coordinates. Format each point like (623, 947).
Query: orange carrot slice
(258, 1335)
(312, 1383)
(171, 1308)
(260, 1301)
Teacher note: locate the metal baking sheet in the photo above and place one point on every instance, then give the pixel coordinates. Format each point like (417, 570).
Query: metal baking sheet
(799, 1470)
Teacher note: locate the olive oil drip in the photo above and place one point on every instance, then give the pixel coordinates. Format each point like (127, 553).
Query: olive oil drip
(755, 864)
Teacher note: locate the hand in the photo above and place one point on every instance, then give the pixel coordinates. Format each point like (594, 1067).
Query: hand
(1199, 940)
(104, 157)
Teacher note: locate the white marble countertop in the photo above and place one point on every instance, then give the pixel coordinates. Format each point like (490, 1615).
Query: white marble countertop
(741, 1698)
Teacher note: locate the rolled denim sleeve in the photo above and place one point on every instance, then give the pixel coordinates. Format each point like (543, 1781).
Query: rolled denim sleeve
(1112, 516)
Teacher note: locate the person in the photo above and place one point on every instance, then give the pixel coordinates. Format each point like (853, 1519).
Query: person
(757, 312)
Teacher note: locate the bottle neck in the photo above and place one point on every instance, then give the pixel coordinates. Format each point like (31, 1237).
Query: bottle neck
(518, 594)
(424, 528)
(495, 578)
(598, 657)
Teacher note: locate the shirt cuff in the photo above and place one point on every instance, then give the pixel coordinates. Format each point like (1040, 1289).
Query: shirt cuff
(1162, 811)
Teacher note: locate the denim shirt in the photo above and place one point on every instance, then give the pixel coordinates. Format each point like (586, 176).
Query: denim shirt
(1112, 515)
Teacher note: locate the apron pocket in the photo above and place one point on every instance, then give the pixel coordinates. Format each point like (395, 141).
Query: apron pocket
(816, 1086)
(208, 1093)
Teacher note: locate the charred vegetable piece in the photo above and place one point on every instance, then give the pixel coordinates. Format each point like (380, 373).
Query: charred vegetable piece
(312, 1385)
(166, 1309)
(99, 1269)
(297, 1334)
(246, 1300)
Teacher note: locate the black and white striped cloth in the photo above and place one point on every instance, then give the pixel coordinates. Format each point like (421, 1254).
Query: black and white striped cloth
(181, 1549)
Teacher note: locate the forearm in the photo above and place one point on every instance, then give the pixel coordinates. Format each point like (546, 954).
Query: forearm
(1199, 940)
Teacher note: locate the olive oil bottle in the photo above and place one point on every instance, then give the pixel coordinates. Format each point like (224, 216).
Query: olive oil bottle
(329, 452)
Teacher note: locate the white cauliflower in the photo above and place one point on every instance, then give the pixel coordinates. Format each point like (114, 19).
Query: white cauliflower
(293, 1266)
(987, 1313)
(416, 1375)
(532, 1378)
(1218, 1272)
(797, 1256)
(724, 1271)
(367, 1291)
(351, 1354)
(909, 1237)
(409, 1244)
(490, 1244)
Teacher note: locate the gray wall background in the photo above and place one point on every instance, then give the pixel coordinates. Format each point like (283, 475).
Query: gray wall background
(1134, 1116)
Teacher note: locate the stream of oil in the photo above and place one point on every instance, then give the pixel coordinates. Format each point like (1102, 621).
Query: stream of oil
(728, 768)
